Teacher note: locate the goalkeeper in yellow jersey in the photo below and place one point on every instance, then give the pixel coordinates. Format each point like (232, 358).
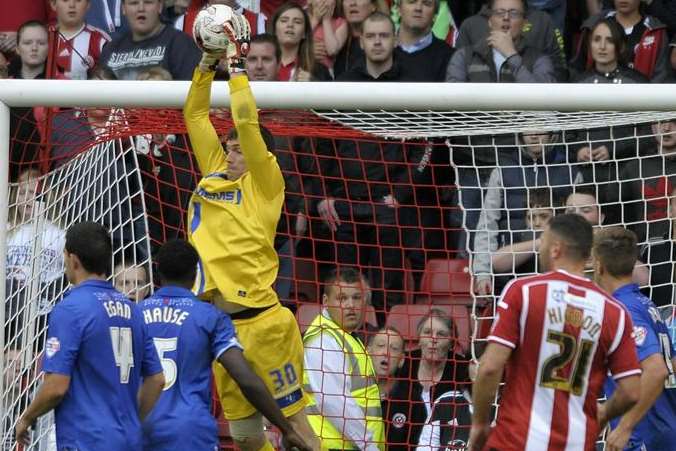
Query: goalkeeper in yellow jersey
(233, 218)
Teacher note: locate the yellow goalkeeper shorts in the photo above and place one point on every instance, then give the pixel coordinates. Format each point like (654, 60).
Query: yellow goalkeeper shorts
(274, 349)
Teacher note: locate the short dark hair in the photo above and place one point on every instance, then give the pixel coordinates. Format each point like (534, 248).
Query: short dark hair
(524, 3)
(177, 262)
(91, 243)
(577, 234)
(268, 38)
(268, 137)
(347, 274)
(616, 250)
(378, 16)
(540, 198)
(29, 24)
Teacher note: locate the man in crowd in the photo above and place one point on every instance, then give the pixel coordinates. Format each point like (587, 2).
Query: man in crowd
(344, 408)
(102, 374)
(651, 423)
(550, 318)
(647, 182)
(423, 55)
(503, 55)
(538, 31)
(149, 42)
(378, 41)
(132, 280)
(539, 161)
(264, 58)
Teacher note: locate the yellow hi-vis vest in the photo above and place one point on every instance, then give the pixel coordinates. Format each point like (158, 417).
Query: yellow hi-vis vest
(364, 388)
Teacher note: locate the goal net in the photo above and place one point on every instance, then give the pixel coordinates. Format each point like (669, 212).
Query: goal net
(437, 208)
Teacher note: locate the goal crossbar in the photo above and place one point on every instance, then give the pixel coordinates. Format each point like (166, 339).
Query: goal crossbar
(349, 96)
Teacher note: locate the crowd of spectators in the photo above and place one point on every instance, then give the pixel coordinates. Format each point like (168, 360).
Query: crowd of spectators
(383, 206)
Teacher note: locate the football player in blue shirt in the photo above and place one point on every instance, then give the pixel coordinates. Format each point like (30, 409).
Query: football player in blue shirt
(189, 335)
(97, 352)
(651, 423)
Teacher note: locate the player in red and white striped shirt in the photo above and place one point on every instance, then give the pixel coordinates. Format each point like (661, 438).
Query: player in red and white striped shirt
(559, 335)
(78, 44)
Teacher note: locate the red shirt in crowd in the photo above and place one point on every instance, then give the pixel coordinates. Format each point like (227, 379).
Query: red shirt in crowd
(566, 335)
(78, 53)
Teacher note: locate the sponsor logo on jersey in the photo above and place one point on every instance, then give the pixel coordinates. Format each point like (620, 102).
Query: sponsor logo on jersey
(52, 346)
(640, 333)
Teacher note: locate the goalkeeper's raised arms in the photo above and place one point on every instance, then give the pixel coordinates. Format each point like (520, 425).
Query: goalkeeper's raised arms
(222, 33)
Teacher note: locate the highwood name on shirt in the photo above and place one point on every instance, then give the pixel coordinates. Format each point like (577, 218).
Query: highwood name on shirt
(137, 57)
(231, 197)
(575, 317)
(165, 315)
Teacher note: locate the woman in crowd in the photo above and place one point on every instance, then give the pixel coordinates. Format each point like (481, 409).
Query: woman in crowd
(428, 373)
(329, 30)
(291, 25)
(603, 152)
(31, 49)
(27, 123)
(645, 37)
(607, 48)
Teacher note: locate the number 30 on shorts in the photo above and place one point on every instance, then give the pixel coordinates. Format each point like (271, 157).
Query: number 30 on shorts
(283, 378)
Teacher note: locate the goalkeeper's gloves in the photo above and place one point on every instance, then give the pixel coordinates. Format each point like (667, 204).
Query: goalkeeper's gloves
(239, 33)
(210, 60)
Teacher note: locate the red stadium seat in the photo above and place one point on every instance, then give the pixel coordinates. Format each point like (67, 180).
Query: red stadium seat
(446, 282)
(405, 319)
(308, 312)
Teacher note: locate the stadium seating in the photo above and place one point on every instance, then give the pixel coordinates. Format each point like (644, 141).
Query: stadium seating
(446, 282)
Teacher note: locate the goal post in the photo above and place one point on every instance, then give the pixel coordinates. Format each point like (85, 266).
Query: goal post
(138, 184)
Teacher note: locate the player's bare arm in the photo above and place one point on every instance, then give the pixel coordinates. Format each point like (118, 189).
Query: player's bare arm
(257, 393)
(653, 374)
(53, 389)
(488, 379)
(624, 398)
(149, 394)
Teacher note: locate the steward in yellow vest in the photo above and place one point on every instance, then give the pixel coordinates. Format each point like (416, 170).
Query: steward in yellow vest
(340, 381)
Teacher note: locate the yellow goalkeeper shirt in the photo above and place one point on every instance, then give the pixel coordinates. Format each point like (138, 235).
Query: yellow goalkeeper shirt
(232, 224)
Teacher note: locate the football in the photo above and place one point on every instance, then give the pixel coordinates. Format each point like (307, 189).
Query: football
(209, 28)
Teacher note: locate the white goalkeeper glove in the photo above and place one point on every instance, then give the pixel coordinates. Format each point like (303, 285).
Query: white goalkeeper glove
(239, 32)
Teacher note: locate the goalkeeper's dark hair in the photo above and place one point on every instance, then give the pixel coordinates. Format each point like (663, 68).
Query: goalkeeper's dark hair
(177, 263)
(617, 250)
(267, 38)
(346, 274)
(91, 243)
(576, 233)
(306, 51)
(267, 135)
